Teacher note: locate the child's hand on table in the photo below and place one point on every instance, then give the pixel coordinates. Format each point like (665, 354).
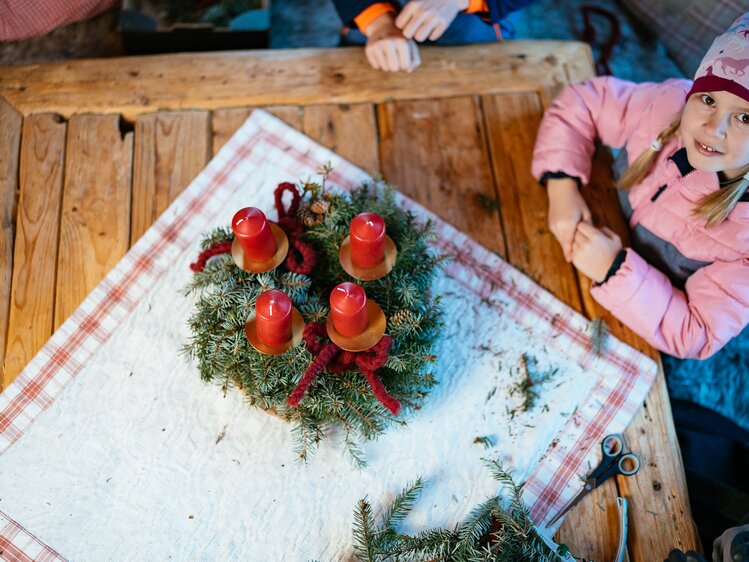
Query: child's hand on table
(428, 19)
(387, 49)
(566, 209)
(594, 250)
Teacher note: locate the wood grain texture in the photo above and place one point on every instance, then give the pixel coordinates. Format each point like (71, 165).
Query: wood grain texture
(435, 152)
(135, 85)
(95, 220)
(35, 263)
(348, 130)
(225, 122)
(171, 148)
(10, 141)
(511, 123)
(660, 515)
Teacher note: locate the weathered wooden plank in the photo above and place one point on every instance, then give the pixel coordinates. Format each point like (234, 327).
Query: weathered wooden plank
(226, 121)
(135, 85)
(348, 130)
(591, 529)
(95, 220)
(10, 140)
(35, 267)
(171, 148)
(660, 516)
(435, 152)
(512, 122)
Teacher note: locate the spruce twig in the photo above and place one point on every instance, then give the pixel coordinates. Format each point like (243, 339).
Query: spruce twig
(528, 383)
(599, 332)
(495, 531)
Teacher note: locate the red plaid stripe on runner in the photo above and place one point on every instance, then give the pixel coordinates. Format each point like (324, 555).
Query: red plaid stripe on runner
(18, 545)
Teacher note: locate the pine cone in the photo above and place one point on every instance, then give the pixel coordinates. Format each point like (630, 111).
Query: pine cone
(403, 321)
(305, 216)
(400, 317)
(314, 214)
(320, 207)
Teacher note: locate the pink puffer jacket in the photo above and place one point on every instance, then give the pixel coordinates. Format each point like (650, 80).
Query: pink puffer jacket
(714, 305)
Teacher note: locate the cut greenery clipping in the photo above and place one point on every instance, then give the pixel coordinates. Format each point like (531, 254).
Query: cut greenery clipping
(225, 299)
(498, 530)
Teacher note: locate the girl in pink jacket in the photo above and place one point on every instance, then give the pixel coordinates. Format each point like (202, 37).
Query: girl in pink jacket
(684, 284)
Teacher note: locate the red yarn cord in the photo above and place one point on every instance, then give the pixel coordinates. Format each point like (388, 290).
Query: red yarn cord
(212, 250)
(381, 393)
(338, 361)
(278, 198)
(326, 356)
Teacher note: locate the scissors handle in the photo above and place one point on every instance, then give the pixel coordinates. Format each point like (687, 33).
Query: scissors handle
(627, 465)
(613, 445)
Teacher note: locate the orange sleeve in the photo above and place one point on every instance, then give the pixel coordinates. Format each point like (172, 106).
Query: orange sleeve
(476, 6)
(373, 12)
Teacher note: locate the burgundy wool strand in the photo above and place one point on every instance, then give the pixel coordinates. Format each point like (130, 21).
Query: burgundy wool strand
(326, 355)
(212, 250)
(337, 361)
(278, 198)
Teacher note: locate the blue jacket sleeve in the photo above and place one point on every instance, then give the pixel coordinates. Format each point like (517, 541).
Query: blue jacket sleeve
(500, 9)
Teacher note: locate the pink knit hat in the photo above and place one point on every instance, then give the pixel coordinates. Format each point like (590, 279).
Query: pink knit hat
(725, 67)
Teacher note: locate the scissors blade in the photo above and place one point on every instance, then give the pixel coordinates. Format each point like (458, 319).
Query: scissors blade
(554, 547)
(589, 485)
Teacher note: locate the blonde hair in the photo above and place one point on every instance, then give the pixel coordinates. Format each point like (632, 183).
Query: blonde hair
(715, 207)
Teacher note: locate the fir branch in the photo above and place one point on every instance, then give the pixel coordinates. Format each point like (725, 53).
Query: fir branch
(495, 531)
(363, 532)
(402, 505)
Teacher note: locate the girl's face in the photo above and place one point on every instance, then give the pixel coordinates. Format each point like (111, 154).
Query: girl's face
(715, 128)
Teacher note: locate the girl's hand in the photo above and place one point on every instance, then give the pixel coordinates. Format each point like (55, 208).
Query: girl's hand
(594, 250)
(387, 49)
(428, 19)
(567, 208)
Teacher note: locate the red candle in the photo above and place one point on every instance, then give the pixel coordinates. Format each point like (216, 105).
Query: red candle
(367, 239)
(348, 308)
(273, 317)
(254, 235)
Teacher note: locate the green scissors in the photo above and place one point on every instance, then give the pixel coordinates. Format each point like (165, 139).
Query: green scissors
(615, 461)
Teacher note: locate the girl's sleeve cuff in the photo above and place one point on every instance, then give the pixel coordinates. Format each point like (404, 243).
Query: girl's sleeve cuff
(618, 261)
(558, 175)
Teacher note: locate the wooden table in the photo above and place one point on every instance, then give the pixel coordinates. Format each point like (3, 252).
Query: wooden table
(91, 152)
